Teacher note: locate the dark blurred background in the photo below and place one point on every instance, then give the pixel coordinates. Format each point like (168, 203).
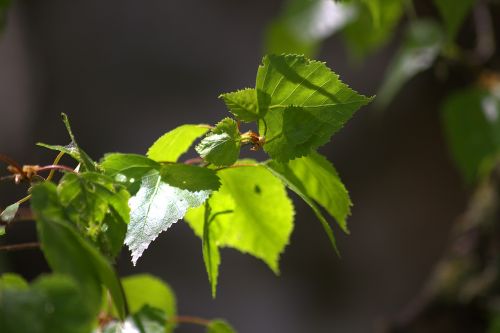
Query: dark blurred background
(128, 71)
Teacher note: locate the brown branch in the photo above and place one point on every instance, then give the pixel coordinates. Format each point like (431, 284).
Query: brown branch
(190, 320)
(20, 247)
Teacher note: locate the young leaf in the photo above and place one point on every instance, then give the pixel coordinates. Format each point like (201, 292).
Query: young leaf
(221, 146)
(154, 208)
(52, 304)
(420, 49)
(190, 177)
(242, 104)
(251, 213)
(472, 126)
(69, 253)
(220, 326)
(453, 13)
(304, 104)
(146, 320)
(284, 172)
(173, 144)
(9, 213)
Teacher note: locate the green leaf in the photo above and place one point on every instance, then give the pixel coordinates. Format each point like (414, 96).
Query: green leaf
(322, 184)
(69, 253)
(154, 208)
(9, 213)
(145, 289)
(4, 7)
(286, 174)
(10, 280)
(304, 104)
(304, 24)
(190, 177)
(372, 27)
(173, 144)
(242, 104)
(128, 169)
(453, 13)
(219, 326)
(251, 213)
(146, 320)
(472, 126)
(52, 304)
(423, 42)
(221, 146)
(98, 207)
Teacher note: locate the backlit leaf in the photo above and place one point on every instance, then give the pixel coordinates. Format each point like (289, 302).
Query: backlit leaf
(221, 146)
(242, 104)
(220, 326)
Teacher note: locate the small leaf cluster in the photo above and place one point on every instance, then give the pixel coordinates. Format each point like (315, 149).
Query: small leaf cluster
(85, 219)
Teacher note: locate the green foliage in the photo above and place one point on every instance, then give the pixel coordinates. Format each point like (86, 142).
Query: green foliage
(50, 304)
(129, 199)
(173, 144)
(9, 213)
(472, 127)
(303, 102)
(423, 42)
(453, 13)
(251, 213)
(221, 146)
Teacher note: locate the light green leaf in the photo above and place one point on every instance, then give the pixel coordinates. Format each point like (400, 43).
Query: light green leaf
(154, 208)
(9, 213)
(453, 13)
(173, 144)
(146, 320)
(242, 104)
(52, 304)
(372, 27)
(190, 177)
(69, 253)
(322, 184)
(219, 326)
(145, 289)
(304, 24)
(472, 126)
(251, 213)
(420, 49)
(221, 146)
(284, 172)
(304, 104)
(10, 280)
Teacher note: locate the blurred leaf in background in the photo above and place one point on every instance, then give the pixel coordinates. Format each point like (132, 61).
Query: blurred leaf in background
(422, 45)
(472, 125)
(4, 6)
(304, 24)
(453, 13)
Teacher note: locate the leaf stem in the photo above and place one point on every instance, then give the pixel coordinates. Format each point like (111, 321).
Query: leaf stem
(238, 166)
(56, 161)
(190, 320)
(19, 247)
(53, 167)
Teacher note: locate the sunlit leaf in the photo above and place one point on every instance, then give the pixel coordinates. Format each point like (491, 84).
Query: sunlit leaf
(304, 104)
(154, 208)
(242, 104)
(221, 146)
(173, 144)
(219, 326)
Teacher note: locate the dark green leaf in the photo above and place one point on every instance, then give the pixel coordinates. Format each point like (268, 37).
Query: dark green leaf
(373, 26)
(242, 104)
(284, 172)
(51, 304)
(453, 13)
(9, 213)
(154, 208)
(251, 213)
(69, 253)
(305, 104)
(190, 177)
(221, 146)
(420, 49)
(173, 144)
(472, 125)
(220, 326)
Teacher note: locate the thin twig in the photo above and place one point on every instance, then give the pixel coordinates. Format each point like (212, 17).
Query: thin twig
(242, 165)
(190, 320)
(20, 247)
